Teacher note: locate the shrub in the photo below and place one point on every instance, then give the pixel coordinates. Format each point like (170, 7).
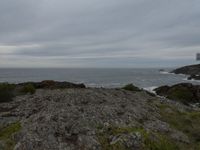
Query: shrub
(29, 88)
(183, 95)
(131, 87)
(6, 92)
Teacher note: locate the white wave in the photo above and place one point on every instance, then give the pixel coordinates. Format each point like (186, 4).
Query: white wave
(192, 80)
(182, 74)
(186, 79)
(151, 89)
(165, 72)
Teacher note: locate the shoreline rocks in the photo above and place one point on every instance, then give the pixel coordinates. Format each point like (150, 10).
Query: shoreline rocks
(193, 71)
(194, 77)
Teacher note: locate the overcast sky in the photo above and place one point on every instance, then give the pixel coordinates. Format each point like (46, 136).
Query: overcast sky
(99, 33)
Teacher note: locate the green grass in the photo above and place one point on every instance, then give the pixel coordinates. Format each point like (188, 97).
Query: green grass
(181, 94)
(29, 88)
(131, 87)
(187, 122)
(9, 91)
(162, 142)
(104, 140)
(6, 135)
(6, 92)
(159, 142)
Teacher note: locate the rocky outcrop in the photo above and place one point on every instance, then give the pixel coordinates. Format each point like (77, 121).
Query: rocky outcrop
(95, 119)
(193, 71)
(50, 84)
(195, 77)
(184, 92)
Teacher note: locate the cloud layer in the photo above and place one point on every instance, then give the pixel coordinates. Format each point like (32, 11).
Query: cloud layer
(98, 33)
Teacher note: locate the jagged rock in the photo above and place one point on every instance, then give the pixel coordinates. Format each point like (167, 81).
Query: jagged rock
(189, 70)
(195, 77)
(193, 71)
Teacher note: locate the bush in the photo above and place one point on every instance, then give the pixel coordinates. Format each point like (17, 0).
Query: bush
(131, 87)
(182, 94)
(6, 92)
(29, 88)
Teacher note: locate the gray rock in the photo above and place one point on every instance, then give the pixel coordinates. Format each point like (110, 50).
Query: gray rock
(71, 119)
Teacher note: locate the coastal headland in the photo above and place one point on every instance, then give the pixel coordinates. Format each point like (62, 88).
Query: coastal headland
(61, 115)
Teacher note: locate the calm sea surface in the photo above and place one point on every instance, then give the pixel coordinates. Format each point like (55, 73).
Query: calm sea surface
(144, 78)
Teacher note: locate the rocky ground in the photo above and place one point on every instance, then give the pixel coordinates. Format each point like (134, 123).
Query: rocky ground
(193, 71)
(97, 119)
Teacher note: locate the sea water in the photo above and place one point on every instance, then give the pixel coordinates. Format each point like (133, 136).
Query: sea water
(110, 78)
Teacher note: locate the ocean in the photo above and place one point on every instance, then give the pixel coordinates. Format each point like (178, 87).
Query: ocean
(109, 78)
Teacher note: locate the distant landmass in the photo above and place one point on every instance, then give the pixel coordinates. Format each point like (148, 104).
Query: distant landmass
(193, 71)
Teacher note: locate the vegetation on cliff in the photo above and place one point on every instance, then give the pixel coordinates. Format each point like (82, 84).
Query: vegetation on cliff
(9, 91)
(131, 87)
(6, 135)
(183, 92)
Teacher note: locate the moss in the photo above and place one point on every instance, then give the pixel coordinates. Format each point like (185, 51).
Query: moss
(29, 88)
(180, 94)
(7, 133)
(187, 122)
(105, 143)
(131, 87)
(104, 136)
(6, 92)
(158, 142)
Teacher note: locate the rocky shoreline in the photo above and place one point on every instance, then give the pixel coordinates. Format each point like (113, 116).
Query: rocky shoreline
(80, 118)
(193, 71)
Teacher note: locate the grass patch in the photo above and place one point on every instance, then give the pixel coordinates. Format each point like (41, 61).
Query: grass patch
(29, 88)
(158, 142)
(161, 142)
(187, 122)
(6, 92)
(9, 91)
(6, 135)
(182, 94)
(131, 87)
(104, 137)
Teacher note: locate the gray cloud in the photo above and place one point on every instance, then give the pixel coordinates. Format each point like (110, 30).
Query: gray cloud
(98, 33)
